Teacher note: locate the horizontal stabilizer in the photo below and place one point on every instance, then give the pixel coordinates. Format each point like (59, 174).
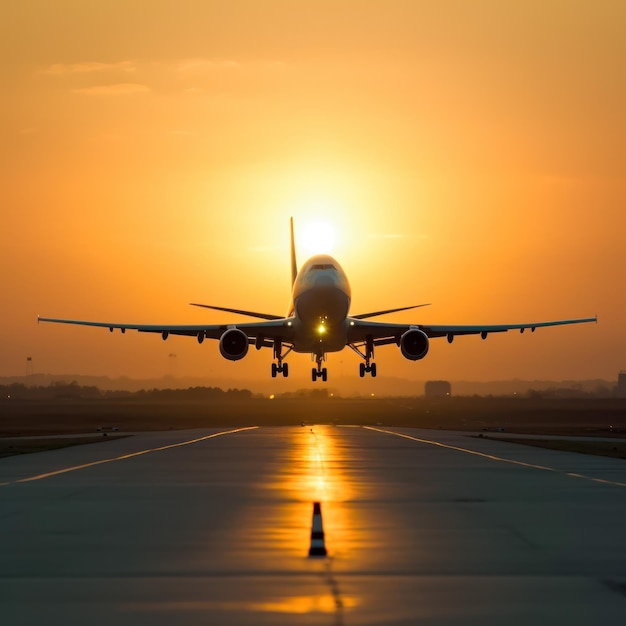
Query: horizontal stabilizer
(363, 316)
(263, 316)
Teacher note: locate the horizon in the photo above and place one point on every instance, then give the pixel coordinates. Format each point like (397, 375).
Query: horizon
(393, 387)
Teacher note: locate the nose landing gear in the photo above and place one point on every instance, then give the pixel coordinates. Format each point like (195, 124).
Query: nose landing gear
(319, 371)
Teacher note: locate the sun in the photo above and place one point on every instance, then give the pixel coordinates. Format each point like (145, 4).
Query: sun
(317, 237)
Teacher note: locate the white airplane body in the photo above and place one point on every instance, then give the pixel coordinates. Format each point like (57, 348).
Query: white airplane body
(318, 322)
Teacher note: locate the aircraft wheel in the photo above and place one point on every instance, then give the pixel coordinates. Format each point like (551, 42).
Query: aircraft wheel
(313, 374)
(285, 370)
(274, 370)
(373, 370)
(324, 374)
(361, 369)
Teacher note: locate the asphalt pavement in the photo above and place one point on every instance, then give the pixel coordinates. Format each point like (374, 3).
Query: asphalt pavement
(214, 527)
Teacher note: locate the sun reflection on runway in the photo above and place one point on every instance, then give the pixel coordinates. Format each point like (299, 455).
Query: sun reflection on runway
(326, 603)
(296, 605)
(315, 469)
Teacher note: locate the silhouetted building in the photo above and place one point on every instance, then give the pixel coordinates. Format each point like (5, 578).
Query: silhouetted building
(438, 389)
(621, 385)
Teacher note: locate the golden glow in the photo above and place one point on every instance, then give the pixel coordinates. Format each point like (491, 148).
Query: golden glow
(317, 237)
(321, 329)
(297, 605)
(314, 472)
(136, 179)
(300, 605)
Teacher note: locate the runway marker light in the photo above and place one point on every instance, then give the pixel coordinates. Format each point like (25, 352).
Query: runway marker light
(318, 547)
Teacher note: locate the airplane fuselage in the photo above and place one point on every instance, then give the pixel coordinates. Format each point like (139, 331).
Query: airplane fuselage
(320, 305)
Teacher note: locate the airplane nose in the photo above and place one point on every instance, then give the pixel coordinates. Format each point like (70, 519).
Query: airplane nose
(324, 281)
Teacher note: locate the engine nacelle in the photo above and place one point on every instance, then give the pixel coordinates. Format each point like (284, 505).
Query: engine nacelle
(234, 344)
(414, 344)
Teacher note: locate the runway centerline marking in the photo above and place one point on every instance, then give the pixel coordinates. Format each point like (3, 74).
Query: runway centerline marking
(125, 456)
(493, 457)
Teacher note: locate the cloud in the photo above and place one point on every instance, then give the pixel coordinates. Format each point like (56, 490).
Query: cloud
(119, 89)
(60, 69)
(386, 236)
(392, 236)
(262, 249)
(206, 65)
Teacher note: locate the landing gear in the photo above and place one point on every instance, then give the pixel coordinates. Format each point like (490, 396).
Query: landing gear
(319, 371)
(368, 367)
(279, 367)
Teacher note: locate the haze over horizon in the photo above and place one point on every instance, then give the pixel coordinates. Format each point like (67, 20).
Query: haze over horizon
(465, 154)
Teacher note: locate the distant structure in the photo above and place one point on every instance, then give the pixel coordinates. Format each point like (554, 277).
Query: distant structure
(621, 385)
(29, 366)
(438, 389)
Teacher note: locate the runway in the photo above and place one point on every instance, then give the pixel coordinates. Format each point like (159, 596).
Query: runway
(213, 527)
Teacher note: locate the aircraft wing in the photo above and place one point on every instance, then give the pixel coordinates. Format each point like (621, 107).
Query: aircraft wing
(383, 333)
(279, 329)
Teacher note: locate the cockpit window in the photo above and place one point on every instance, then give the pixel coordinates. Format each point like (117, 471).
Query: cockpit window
(323, 266)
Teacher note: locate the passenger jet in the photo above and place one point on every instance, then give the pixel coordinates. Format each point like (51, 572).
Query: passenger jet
(318, 321)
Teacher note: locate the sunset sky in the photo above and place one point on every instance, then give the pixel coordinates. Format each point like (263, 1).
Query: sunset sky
(468, 154)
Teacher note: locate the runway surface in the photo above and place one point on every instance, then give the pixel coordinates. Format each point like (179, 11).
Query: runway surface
(213, 527)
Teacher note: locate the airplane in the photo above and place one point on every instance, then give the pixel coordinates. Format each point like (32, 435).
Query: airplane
(318, 321)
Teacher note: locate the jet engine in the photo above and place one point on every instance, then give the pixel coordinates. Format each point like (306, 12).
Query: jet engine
(234, 344)
(414, 344)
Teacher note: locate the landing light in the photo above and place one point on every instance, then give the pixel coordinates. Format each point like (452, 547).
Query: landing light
(321, 329)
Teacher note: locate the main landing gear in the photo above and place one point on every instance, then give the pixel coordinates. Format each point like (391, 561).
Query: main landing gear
(368, 367)
(319, 371)
(279, 367)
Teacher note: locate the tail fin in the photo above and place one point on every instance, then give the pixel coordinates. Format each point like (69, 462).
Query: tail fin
(294, 265)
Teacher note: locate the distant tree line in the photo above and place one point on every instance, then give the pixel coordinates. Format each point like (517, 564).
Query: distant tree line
(601, 391)
(73, 390)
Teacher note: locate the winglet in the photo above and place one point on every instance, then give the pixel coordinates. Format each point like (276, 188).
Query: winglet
(294, 265)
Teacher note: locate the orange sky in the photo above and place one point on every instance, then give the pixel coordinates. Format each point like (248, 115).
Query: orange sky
(468, 154)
